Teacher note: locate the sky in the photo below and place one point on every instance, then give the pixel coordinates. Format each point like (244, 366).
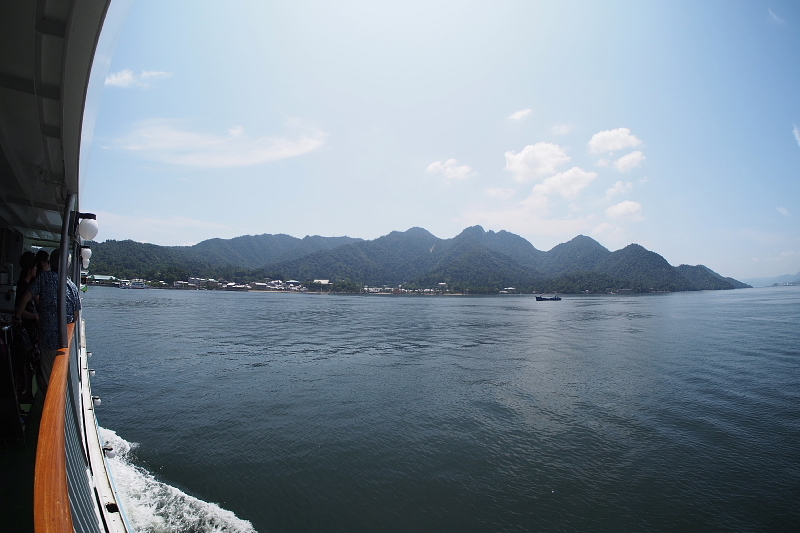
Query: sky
(674, 125)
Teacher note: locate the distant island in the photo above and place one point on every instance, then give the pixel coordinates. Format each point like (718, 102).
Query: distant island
(775, 281)
(475, 262)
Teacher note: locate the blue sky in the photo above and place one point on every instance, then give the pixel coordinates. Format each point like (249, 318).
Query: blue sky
(674, 125)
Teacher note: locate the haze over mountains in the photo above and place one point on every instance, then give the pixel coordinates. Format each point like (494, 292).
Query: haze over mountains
(475, 260)
(766, 282)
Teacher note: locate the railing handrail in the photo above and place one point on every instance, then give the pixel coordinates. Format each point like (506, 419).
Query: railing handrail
(51, 507)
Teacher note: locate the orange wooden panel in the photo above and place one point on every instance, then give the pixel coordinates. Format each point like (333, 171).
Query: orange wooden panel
(51, 510)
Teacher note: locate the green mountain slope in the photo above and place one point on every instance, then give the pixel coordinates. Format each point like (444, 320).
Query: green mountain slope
(247, 251)
(210, 258)
(581, 254)
(643, 270)
(130, 259)
(703, 277)
(472, 259)
(388, 260)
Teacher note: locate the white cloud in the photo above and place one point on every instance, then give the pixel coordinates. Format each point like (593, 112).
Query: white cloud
(535, 161)
(612, 140)
(775, 18)
(148, 75)
(561, 129)
(519, 115)
(503, 194)
(163, 230)
(630, 161)
(123, 78)
(605, 228)
(783, 211)
(603, 163)
(537, 203)
(127, 78)
(451, 170)
(161, 140)
(619, 187)
(796, 132)
(626, 209)
(610, 233)
(530, 216)
(568, 184)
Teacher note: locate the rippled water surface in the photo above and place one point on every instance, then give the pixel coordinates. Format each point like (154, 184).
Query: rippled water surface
(671, 412)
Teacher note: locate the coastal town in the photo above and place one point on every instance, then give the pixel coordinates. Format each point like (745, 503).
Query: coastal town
(273, 285)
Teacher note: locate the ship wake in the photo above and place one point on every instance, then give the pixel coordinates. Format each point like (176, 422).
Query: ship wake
(155, 507)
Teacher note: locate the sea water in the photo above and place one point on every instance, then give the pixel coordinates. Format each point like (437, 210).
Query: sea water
(310, 412)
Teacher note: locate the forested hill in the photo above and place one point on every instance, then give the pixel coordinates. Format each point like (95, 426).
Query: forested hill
(235, 258)
(475, 260)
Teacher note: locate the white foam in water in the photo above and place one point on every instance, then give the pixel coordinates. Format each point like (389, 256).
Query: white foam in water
(155, 507)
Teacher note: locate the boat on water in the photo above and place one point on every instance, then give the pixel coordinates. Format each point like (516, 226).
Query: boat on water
(55, 475)
(132, 284)
(554, 298)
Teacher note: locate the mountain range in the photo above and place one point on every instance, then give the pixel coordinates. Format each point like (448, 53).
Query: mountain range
(475, 260)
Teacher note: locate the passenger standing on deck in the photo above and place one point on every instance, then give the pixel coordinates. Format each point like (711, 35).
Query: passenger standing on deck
(24, 350)
(45, 286)
(28, 270)
(42, 265)
(42, 260)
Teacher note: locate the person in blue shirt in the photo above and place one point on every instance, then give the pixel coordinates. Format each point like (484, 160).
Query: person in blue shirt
(45, 286)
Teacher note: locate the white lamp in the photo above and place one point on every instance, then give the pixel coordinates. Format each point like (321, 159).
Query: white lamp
(88, 227)
(86, 254)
